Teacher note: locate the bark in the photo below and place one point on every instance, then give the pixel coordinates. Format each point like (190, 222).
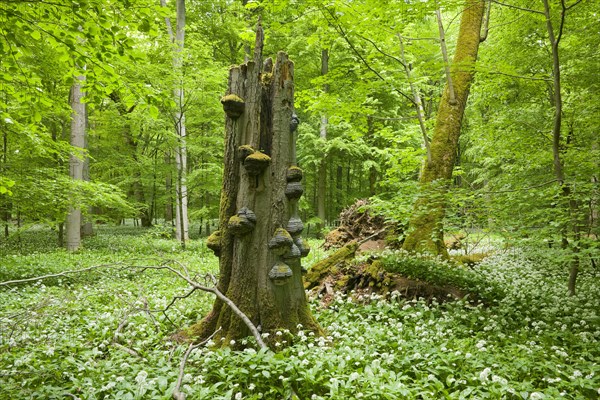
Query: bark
(426, 223)
(87, 228)
(76, 161)
(168, 190)
(246, 262)
(181, 195)
(449, 84)
(322, 174)
(5, 205)
(417, 100)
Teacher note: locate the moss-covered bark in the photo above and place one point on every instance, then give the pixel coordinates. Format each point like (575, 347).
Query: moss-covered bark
(327, 266)
(254, 275)
(426, 224)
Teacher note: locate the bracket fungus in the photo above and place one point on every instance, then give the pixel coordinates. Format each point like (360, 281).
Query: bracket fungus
(295, 121)
(294, 190)
(302, 245)
(256, 163)
(280, 273)
(233, 105)
(295, 226)
(213, 242)
(244, 151)
(243, 222)
(293, 174)
(281, 242)
(293, 253)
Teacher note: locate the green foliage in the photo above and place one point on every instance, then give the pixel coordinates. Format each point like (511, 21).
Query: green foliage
(441, 273)
(58, 335)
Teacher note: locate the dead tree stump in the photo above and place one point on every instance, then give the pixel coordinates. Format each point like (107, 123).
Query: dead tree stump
(259, 241)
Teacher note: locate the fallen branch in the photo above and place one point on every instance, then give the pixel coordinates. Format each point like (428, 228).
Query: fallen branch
(126, 349)
(64, 273)
(183, 275)
(177, 394)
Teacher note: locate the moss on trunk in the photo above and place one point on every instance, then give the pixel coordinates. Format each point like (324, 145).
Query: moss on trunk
(328, 265)
(273, 299)
(426, 224)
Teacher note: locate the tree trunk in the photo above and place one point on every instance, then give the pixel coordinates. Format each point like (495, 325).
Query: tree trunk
(169, 191)
(322, 172)
(137, 188)
(5, 205)
(259, 229)
(426, 223)
(181, 196)
(569, 204)
(87, 229)
(76, 161)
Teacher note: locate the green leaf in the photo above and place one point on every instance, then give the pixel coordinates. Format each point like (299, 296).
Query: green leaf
(153, 111)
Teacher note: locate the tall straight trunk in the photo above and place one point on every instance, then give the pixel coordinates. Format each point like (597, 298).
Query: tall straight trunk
(569, 203)
(76, 161)
(258, 240)
(87, 229)
(137, 187)
(322, 172)
(181, 195)
(168, 190)
(5, 203)
(426, 223)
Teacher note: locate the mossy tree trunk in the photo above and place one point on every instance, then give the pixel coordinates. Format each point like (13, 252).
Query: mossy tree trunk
(426, 224)
(258, 240)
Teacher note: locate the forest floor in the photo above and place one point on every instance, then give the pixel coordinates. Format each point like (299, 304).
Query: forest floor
(101, 334)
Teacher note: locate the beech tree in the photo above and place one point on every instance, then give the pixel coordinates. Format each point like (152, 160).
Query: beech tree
(258, 241)
(181, 194)
(76, 160)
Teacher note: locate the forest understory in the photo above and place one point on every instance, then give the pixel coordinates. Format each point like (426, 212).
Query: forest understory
(299, 200)
(506, 329)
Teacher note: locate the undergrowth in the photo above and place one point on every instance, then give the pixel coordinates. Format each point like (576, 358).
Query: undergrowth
(57, 336)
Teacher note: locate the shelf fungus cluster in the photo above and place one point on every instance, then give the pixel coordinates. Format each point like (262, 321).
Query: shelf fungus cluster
(233, 105)
(293, 189)
(287, 243)
(254, 161)
(214, 242)
(242, 223)
(280, 273)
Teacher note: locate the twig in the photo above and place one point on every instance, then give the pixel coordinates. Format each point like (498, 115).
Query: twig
(126, 349)
(64, 273)
(518, 8)
(521, 189)
(372, 236)
(177, 394)
(338, 27)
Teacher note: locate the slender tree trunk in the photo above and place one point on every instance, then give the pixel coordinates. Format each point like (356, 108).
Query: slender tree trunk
(181, 195)
(87, 229)
(566, 191)
(76, 161)
(259, 230)
(5, 203)
(322, 172)
(417, 100)
(61, 234)
(169, 191)
(426, 223)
